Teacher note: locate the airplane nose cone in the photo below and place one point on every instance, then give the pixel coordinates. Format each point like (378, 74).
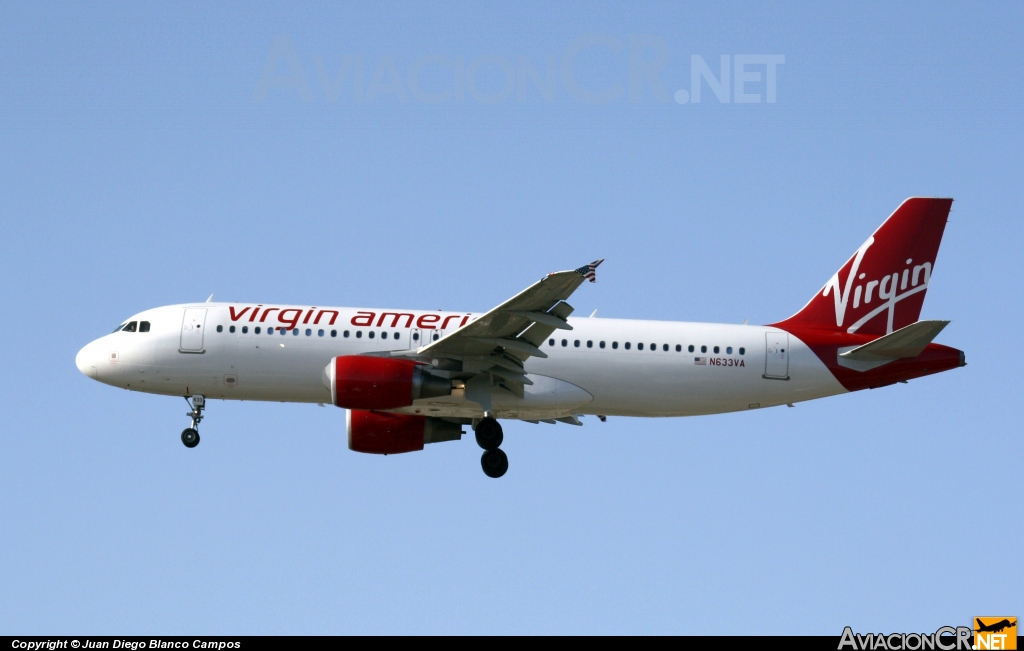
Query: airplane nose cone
(87, 362)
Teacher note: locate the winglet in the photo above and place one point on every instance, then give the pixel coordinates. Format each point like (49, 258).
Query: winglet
(588, 271)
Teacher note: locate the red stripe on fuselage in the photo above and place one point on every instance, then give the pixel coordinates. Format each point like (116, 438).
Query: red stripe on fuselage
(936, 358)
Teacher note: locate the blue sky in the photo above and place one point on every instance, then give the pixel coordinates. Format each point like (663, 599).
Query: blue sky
(142, 165)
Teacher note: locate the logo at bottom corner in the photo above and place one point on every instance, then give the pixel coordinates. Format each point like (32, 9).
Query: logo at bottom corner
(995, 633)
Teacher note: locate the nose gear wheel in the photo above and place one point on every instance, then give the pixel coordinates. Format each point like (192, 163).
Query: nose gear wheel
(190, 437)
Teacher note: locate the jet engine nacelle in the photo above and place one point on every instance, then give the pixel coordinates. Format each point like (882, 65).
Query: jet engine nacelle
(379, 433)
(358, 382)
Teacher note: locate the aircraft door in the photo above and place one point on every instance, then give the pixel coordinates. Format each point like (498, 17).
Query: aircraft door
(776, 363)
(192, 325)
(422, 337)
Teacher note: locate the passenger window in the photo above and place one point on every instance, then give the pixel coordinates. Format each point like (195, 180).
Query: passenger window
(415, 336)
(395, 335)
(231, 329)
(334, 333)
(690, 349)
(565, 343)
(220, 328)
(576, 343)
(359, 334)
(131, 327)
(143, 326)
(703, 349)
(256, 329)
(679, 348)
(551, 342)
(295, 331)
(601, 344)
(716, 350)
(664, 348)
(345, 335)
(590, 344)
(728, 351)
(383, 335)
(245, 330)
(627, 345)
(638, 346)
(319, 333)
(308, 332)
(615, 345)
(436, 336)
(743, 351)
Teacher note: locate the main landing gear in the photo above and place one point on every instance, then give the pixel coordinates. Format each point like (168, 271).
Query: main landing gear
(489, 437)
(190, 436)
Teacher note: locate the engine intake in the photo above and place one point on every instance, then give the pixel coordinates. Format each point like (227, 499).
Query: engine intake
(378, 433)
(371, 383)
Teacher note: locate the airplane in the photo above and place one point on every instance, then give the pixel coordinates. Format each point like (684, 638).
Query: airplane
(408, 378)
(995, 627)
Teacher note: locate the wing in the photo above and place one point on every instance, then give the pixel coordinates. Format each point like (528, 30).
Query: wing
(502, 339)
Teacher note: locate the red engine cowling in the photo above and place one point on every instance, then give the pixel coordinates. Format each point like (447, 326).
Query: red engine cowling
(358, 382)
(378, 433)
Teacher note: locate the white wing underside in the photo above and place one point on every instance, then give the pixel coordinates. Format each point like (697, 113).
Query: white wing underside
(489, 352)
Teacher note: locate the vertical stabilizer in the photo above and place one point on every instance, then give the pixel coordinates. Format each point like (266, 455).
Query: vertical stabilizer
(881, 288)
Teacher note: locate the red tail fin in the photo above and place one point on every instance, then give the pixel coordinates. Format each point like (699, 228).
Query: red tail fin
(882, 287)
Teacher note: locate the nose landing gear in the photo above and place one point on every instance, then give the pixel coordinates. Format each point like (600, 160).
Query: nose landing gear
(489, 436)
(190, 436)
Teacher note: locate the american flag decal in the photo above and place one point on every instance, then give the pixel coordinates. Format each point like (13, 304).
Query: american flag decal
(588, 270)
(700, 361)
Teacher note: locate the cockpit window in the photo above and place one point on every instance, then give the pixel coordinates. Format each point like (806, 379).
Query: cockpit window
(118, 328)
(143, 326)
(131, 327)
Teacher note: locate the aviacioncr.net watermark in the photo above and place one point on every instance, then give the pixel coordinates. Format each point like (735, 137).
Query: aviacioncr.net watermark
(634, 69)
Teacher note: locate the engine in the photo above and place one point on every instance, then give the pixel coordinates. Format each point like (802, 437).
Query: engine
(370, 383)
(378, 433)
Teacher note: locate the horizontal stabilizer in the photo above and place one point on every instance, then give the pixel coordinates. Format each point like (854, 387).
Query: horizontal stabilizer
(905, 343)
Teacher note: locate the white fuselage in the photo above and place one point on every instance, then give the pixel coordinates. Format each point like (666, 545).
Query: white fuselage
(605, 366)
